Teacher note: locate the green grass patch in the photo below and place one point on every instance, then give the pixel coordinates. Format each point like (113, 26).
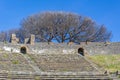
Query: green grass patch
(37, 78)
(15, 62)
(5, 55)
(110, 62)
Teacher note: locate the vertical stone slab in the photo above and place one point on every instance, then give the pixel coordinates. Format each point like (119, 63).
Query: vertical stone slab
(70, 43)
(26, 40)
(14, 39)
(32, 39)
(17, 40)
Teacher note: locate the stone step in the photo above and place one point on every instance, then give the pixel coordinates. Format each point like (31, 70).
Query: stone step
(58, 78)
(76, 77)
(15, 76)
(53, 62)
(21, 76)
(81, 78)
(3, 76)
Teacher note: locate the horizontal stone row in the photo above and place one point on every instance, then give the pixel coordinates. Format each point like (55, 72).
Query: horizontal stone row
(48, 76)
(14, 62)
(66, 62)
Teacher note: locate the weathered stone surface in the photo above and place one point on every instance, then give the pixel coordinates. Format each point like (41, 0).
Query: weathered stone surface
(53, 61)
(14, 39)
(26, 41)
(90, 49)
(62, 63)
(32, 39)
(51, 66)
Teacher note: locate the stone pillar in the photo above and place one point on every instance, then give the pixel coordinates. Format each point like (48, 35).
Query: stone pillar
(26, 40)
(32, 39)
(14, 39)
(70, 43)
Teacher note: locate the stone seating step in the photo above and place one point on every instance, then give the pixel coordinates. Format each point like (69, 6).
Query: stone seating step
(72, 76)
(53, 62)
(21, 76)
(76, 77)
(3, 76)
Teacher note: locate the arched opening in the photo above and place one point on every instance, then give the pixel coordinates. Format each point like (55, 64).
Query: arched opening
(81, 51)
(23, 50)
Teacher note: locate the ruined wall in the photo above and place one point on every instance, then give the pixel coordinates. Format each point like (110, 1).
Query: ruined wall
(103, 48)
(63, 48)
(53, 48)
(40, 48)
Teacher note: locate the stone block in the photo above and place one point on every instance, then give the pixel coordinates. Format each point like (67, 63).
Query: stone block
(27, 41)
(14, 39)
(32, 39)
(70, 43)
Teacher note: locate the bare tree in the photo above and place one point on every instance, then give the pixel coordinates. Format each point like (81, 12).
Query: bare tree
(63, 27)
(3, 36)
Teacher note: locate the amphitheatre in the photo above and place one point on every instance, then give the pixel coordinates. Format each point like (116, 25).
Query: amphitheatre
(53, 61)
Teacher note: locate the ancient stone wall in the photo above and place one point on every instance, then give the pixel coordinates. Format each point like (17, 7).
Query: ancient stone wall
(30, 40)
(63, 48)
(103, 48)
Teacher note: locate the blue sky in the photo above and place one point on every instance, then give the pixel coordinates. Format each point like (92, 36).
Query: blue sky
(101, 11)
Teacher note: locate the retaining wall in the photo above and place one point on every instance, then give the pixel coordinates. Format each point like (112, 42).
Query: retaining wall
(63, 48)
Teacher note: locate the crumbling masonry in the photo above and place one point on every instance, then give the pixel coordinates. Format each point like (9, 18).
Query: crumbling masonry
(43, 61)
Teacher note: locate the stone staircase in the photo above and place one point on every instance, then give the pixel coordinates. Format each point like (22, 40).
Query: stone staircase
(14, 62)
(15, 66)
(3, 76)
(62, 62)
(66, 67)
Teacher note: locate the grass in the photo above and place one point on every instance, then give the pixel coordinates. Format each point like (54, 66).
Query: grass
(15, 62)
(37, 78)
(109, 62)
(5, 55)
